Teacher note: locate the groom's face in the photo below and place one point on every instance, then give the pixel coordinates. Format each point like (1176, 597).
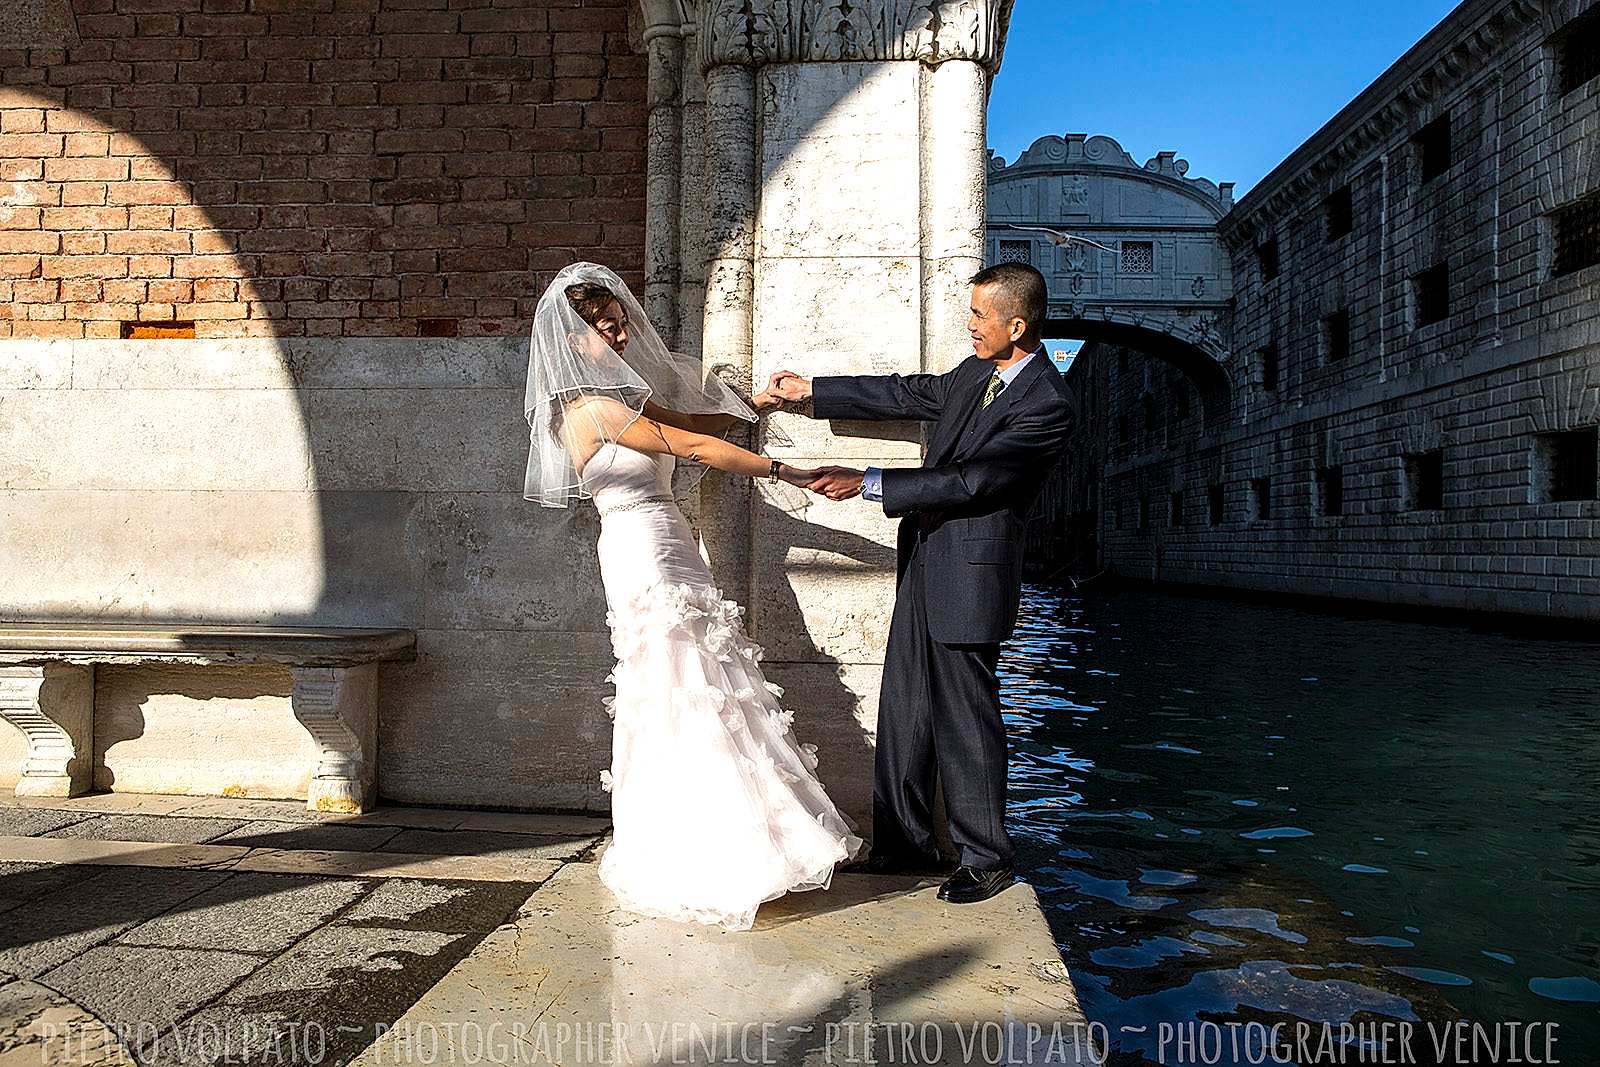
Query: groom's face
(992, 328)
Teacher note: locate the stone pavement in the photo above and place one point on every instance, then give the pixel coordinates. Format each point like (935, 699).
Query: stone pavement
(182, 930)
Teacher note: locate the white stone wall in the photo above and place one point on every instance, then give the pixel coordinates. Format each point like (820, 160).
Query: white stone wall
(368, 483)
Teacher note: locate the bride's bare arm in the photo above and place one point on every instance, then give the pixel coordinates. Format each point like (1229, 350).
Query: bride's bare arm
(606, 419)
(647, 435)
(706, 424)
(763, 402)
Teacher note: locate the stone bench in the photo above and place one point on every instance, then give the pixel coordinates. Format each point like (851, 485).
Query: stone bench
(47, 691)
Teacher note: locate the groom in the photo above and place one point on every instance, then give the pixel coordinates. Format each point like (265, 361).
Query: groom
(1000, 421)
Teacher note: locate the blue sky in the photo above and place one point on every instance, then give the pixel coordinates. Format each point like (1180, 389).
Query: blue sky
(1233, 86)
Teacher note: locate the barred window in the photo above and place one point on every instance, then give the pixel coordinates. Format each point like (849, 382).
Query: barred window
(1269, 368)
(1580, 51)
(1175, 509)
(1330, 490)
(1425, 481)
(1261, 497)
(1341, 212)
(1144, 514)
(1267, 254)
(1016, 252)
(1567, 466)
(1138, 257)
(1577, 231)
(1336, 336)
(1430, 292)
(1214, 504)
(1433, 148)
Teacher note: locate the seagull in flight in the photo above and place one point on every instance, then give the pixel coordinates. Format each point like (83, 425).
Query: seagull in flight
(1058, 238)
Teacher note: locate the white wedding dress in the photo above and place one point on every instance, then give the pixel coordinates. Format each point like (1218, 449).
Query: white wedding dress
(715, 805)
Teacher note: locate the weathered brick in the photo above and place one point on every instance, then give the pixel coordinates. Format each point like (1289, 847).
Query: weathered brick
(83, 266)
(217, 310)
(31, 144)
(96, 168)
(141, 242)
(43, 241)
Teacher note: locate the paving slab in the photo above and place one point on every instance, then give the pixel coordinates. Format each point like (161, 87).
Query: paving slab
(488, 843)
(40, 1026)
(443, 907)
(170, 829)
(118, 853)
(322, 1002)
(124, 803)
(332, 837)
(21, 882)
(26, 822)
(494, 868)
(249, 912)
(57, 926)
(139, 991)
(295, 811)
(398, 865)
(836, 976)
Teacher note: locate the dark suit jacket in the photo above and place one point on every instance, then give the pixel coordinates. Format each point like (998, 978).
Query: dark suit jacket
(969, 500)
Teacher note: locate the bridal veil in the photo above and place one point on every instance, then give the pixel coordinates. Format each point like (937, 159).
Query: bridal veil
(568, 361)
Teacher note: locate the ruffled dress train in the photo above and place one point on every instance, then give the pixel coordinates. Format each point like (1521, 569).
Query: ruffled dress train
(716, 807)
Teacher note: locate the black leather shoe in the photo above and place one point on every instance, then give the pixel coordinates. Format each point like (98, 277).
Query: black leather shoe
(885, 864)
(972, 884)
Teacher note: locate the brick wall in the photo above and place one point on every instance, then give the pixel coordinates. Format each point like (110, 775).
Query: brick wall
(316, 167)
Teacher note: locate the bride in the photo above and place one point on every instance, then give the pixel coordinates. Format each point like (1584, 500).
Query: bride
(715, 805)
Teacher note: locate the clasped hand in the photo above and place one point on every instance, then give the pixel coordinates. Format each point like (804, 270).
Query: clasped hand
(785, 391)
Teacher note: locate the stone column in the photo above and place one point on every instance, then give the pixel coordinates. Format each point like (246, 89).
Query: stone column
(953, 101)
(663, 255)
(731, 194)
(844, 175)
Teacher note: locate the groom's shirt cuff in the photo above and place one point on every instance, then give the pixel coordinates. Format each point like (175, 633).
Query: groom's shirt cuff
(872, 485)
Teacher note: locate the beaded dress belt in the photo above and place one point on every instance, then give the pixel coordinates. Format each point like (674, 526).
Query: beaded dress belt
(630, 505)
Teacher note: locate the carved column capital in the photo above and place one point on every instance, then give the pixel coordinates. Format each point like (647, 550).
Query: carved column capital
(753, 33)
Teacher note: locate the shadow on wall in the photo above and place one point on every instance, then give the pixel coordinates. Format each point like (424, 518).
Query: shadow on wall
(300, 179)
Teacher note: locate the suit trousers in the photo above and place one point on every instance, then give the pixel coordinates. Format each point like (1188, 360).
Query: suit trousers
(939, 711)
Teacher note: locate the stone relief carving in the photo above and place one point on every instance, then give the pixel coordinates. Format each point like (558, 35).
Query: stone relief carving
(759, 32)
(1105, 153)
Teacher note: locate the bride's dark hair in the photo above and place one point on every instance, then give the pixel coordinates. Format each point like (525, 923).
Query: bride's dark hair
(589, 300)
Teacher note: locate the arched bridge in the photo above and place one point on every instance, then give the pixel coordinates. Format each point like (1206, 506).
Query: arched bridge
(1168, 286)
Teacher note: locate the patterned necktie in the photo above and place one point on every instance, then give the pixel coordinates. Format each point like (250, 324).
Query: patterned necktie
(996, 387)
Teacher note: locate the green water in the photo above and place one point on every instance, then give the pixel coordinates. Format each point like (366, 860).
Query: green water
(1235, 812)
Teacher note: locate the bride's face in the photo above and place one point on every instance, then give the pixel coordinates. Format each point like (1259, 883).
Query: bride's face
(612, 324)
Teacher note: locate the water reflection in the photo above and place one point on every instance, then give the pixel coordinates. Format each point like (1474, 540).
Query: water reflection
(1254, 813)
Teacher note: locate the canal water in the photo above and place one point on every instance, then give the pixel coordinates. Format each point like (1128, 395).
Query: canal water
(1246, 815)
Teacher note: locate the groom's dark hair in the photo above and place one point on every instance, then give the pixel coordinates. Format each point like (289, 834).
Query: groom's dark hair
(1021, 289)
